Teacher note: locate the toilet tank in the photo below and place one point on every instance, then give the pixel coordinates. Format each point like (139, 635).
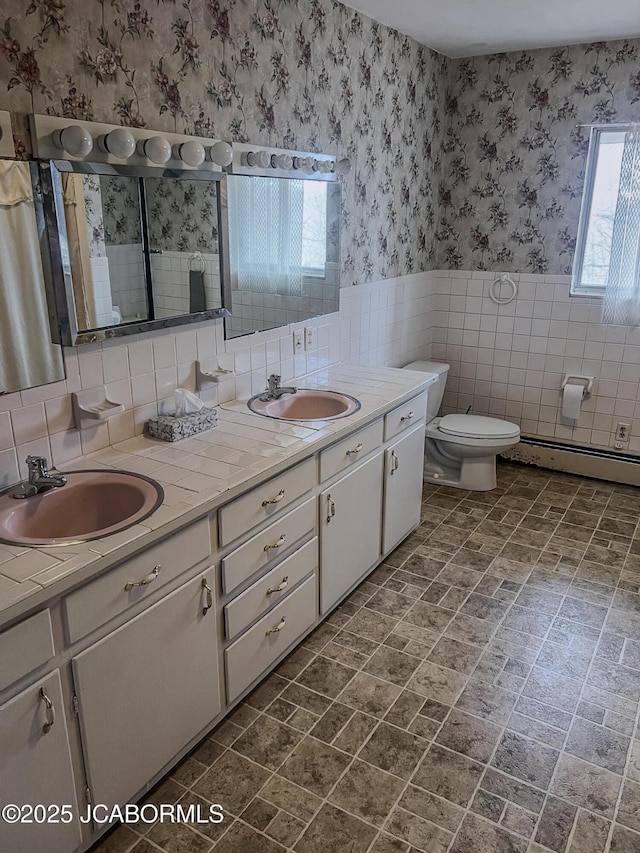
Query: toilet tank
(436, 391)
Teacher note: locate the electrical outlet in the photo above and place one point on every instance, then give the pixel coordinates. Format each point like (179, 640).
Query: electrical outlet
(298, 345)
(622, 432)
(308, 337)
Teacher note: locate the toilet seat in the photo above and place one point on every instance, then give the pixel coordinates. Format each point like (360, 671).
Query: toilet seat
(477, 426)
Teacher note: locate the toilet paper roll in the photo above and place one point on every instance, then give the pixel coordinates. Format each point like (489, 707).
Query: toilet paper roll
(571, 401)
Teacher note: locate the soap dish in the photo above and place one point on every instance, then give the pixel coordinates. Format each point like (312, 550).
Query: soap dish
(171, 428)
(94, 405)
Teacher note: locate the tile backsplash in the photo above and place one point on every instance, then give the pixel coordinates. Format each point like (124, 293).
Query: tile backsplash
(386, 322)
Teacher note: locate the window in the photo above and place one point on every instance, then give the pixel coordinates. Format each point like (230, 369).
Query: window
(601, 186)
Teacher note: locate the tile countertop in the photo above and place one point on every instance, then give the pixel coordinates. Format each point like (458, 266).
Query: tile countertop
(198, 474)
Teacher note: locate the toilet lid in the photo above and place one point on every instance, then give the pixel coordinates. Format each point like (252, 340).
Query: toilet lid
(476, 426)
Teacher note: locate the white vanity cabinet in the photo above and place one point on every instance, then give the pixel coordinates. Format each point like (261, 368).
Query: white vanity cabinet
(147, 689)
(142, 659)
(36, 770)
(350, 525)
(403, 463)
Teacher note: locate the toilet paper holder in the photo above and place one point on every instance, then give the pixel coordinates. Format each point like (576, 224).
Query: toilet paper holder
(578, 379)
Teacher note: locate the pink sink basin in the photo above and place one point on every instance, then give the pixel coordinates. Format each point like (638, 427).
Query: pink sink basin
(93, 504)
(306, 405)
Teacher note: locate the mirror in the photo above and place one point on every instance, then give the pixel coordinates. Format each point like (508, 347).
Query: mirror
(138, 247)
(284, 251)
(27, 355)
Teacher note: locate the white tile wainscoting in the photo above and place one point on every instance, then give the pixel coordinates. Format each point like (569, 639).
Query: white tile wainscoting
(509, 360)
(380, 323)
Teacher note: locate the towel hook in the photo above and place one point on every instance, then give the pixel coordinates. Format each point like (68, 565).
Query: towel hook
(197, 256)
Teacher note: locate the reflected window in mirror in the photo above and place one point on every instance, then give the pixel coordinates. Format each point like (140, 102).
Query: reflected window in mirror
(284, 251)
(28, 357)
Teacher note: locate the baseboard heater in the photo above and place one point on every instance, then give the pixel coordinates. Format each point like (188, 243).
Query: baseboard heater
(574, 459)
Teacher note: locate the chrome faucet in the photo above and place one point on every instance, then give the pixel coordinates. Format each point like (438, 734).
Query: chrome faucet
(275, 390)
(39, 479)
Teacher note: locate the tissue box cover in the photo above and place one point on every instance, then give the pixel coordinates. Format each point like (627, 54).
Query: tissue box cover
(170, 428)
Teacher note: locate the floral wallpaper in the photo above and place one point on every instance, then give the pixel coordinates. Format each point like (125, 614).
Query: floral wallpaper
(93, 211)
(514, 151)
(121, 208)
(182, 215)
(306, 74)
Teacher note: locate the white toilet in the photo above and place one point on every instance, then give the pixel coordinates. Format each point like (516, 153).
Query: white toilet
(460, 450)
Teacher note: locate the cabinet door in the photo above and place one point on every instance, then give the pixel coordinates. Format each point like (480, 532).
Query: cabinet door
(35, 768)
(350, 523)
(146, 690)
(403, 463)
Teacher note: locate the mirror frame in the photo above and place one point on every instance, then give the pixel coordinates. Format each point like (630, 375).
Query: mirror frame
(62, 295)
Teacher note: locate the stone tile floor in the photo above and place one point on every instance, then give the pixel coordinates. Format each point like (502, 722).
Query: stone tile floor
(477, 694)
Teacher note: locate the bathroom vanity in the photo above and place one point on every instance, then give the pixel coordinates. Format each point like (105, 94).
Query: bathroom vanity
(116, 661)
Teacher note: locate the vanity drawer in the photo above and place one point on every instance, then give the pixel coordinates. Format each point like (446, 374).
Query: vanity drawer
(349, 451)
(405, 416)
(25, 647)
(272, 587)
(265, 501)
(106, 596)
(256, 553)
(254, 652)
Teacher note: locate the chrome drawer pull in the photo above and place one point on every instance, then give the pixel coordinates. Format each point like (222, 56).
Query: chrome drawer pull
(332, 509)
(395, 464)
(275, 500)
(278, 627)
(356, 449)
(284, 583)
(278, 544)
(206, 587)
(145, 581)
(50, 711)
(406, 417)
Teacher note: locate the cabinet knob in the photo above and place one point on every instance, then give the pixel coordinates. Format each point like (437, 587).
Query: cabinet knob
(406, 417)
(49, 710)
(332, 509)
(395, 463)
(284, 583)
(355, 450)
(209, 592)
(145, 581)
(278, 627)
(275, 500)
(277, 544)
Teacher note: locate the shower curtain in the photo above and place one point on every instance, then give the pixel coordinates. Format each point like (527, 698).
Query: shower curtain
(27, 356)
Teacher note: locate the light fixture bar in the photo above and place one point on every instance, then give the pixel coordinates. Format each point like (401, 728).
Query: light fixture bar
(67, 139)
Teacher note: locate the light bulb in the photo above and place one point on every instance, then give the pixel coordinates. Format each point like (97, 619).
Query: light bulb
(304, 164)
(324, 166)
(156, 149)
(282, 161)
(119, 143)
(75, 140)
(221, 154)
(191, 153)
(343, 167)
(260, 159)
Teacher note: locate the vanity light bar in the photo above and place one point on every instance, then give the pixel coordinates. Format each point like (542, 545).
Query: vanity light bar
(69, 139)
(280, 163)
(7, 148)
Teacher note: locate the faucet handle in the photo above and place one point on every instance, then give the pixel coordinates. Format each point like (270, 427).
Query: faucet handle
(37, 464)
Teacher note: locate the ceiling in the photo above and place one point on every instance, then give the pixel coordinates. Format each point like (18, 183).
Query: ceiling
(473, 27)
